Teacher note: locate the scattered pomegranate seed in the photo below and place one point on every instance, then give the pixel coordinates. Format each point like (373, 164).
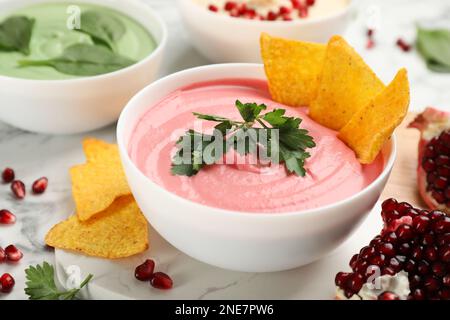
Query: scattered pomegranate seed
(7, 217)
(230, 5)
(18, 189)
(144, 272)
(162, 281)
(213, 8)
(370, 44)
(271, 16)
(303, 12)
(6, 283)
(40, 185)
(388, 296)
(284, 10)
(412, 240)
(2, 255)
(403, 45)
(296, 4)
(370, 33)
(13, 253)
(8, 175)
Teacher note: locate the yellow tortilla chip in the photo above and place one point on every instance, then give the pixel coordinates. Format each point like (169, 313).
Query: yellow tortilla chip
(118, 232)
(347, 84)
(374, 124)
(292, 68)
(96, 184)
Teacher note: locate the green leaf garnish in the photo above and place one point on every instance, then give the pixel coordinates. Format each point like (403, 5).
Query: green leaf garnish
(15, 34)
(41, 284)
(83, 60)
(434, 46)
(288, 143)
(104, 28)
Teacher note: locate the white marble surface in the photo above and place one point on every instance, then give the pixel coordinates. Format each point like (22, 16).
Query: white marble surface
(33, 155)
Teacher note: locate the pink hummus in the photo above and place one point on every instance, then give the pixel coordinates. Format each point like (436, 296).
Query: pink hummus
(333, 172)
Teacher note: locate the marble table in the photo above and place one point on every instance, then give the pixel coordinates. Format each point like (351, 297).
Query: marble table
(34, 155)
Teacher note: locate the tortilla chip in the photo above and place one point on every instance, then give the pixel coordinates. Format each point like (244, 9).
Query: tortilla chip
(96, 184)
(118, 232)
(374, 124)
(292, 68)
(347, 84)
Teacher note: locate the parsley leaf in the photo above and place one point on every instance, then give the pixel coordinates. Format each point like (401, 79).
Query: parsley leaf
(279, 135)
(41, 284)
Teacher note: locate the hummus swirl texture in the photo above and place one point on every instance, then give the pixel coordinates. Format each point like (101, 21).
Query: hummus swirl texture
(333, 172)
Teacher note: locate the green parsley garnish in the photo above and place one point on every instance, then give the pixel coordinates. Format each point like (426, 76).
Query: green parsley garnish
(278, 134)
(41, 284)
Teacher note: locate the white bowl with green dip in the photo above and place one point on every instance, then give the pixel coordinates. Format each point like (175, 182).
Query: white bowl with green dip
(70, 66)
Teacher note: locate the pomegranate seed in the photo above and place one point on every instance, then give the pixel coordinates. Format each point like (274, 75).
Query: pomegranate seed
(144, 272)
(444, 254)
(287, 17)
(7, 283)
(446, 280)
(18, 189)
(284, 10)
(303, 12)
(2, 255)
(370, 33)
(341, 278)
(403, 45)
(421, 223)
(403, 207)
(387, 249)
(7, 217)
(353, 261)
(404, 233)
(162, 281)
(370, 44)
(431, 284)
(388, 296)
(296, 4)
(389, 205)
(418, 294)
(271, 16)
(40, 185)
(13, 253)
(355, 282)
(213, 8)
(438, 269)
(310, 3)
(8, 175)
(230, 5)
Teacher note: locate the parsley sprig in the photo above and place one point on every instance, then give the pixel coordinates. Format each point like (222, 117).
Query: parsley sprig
(290, 140)
(41, 284)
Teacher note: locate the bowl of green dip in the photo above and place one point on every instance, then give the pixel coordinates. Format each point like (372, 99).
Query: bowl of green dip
(71, 66)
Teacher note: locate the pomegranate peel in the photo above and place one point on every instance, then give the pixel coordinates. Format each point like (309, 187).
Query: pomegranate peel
(433, 170)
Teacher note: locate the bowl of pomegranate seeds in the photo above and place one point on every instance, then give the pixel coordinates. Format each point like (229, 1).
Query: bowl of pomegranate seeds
(228, 31)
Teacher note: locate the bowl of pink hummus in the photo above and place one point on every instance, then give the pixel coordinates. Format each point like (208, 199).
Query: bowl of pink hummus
(242, 217)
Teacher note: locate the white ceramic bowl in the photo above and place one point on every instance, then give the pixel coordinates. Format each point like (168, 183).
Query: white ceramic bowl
(221, 38)
(82, 104)
(254, 242)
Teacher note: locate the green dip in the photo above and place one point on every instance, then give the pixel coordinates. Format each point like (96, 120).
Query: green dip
(51, 36)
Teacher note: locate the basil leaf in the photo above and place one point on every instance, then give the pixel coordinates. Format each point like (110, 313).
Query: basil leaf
(83, 60)
(15, 34)
(103, 28)
(434, 46)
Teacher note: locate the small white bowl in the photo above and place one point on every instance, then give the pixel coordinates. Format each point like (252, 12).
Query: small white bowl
(253, 242)
(221, 38)
(82, 104)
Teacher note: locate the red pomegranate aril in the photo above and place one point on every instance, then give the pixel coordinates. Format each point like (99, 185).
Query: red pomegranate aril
(355, 282)
(403, 207)
(418, 294)
(429, 165)
(431, 254)
(423, 267)
(366, 252)
(377, 260)
(6, 283)
(213, 8)
(18, 189)
(438, 269)
(370, 44)
(421, 223)
(410, 266)
(442, 160)
(341, 278)
(388, 296)
(389, 205)
(444, 294)
(388, 271)
(395, 264)
(230, 5)
(13, 253)
(2, 255)
(242, 9)
(144, 272)
(416, 252)
(271, 16)
(431, 284)
(303, 12)
(284, 10)
(296, 3)
(442, 225)
(415, 281)
(403, 45)
(428, 239)
(353, 261)
(40, 185)
(287, 17)
(310, 2)
(361, 267)
(438, 196)
(446, 280)
(8, 175)
(162, 281)
(441, 183)
(387, 249)
(404, 233)
(444, 253)
(390, 237)
(7, 217)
